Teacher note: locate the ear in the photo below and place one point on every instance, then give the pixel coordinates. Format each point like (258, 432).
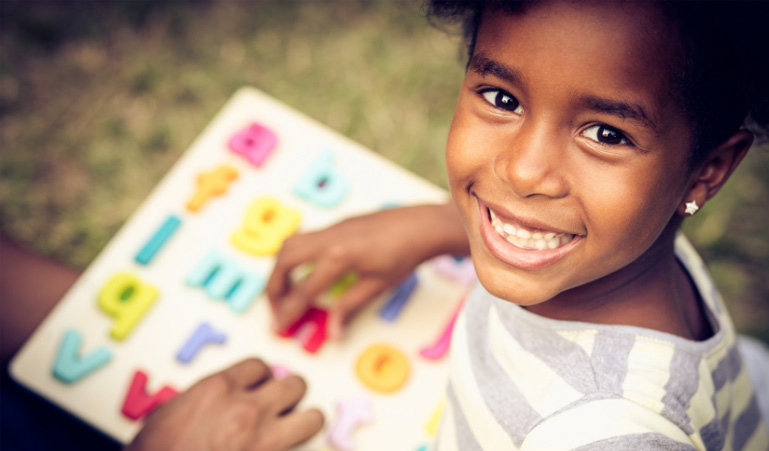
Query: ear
(711, 176)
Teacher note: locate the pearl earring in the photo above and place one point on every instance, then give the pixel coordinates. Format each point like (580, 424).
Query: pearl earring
(692, 207)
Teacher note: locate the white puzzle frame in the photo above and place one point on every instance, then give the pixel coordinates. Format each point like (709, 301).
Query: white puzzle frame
(400, 417)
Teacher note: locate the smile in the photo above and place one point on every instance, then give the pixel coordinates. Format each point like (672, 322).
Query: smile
(528, 239)
(522, 246)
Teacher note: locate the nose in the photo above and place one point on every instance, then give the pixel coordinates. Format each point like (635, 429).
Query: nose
(533, 163)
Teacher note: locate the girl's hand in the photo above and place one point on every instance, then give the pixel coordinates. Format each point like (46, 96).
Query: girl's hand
(381, 248)
(240, 408)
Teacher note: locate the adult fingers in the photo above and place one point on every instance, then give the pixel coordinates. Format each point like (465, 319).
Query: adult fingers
(295, 303)
(351, 301)
(247, 373)
(280, 396)
(291, 430)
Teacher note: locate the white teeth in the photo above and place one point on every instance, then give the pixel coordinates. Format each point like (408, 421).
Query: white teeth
(525, 239)
(553, 243)
(515, 241)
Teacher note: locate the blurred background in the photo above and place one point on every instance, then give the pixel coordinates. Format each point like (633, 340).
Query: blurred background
(98, 99)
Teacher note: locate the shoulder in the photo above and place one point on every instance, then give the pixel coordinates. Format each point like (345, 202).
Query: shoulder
(612, 423)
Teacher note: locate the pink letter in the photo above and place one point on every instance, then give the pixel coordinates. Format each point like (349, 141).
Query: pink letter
(138, 403)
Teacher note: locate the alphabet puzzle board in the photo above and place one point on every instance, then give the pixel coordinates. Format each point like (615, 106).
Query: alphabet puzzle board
(178, 292)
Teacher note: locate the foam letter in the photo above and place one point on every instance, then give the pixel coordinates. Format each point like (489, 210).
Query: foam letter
(127, 299)
(280, 372)
(382, 368)
(203, 335)
(352, 413)
(69, 367)
(224, 279)
(211, 184)
(255, 142)
(138, 403)
(458, 269)
(310, 329)
(333, 293)
(438, 349)
(400, 296)
(322, 184)
(267, 225)
(147, 253)
(435, 419)
(341, 285)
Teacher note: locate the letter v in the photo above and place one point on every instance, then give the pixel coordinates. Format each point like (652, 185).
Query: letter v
(138, 403)
(69, 367)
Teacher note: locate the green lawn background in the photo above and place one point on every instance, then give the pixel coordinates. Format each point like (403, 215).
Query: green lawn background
(98, 99)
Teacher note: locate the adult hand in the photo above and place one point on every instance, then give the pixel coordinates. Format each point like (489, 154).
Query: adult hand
(240, 408)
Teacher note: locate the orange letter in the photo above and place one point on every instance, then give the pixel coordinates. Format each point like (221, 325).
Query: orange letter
(211, 184)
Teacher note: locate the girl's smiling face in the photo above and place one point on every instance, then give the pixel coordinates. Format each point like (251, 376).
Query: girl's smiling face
(567, 155)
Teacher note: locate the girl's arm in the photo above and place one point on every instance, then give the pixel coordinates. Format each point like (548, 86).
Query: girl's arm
(382, 248)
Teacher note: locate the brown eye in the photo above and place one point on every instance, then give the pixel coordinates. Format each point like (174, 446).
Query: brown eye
(502, 100)
(605, 135)
(608, 135)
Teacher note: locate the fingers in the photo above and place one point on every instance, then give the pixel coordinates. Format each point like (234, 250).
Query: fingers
(327, 271)
(281, 395)
(296, 250)
(287, 428)
(295, 428)
(352, 300)
(248, 373)
(300, 426)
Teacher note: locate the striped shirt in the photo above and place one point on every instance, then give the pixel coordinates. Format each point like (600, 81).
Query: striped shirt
(522, 381)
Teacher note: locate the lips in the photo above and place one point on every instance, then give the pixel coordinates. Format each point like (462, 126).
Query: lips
(520, 245)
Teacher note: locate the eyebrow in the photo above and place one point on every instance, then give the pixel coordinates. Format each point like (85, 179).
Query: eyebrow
(485, 66)
(622, 110)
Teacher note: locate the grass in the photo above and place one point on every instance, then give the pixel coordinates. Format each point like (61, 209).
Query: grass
(99, 99)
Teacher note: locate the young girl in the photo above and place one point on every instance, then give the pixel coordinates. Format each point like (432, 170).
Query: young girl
(584, 133)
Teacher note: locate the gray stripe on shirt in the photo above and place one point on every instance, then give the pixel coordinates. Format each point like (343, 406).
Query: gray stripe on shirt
(713, 434)
(464, 436)
(727, 369)
(610, 360)
(746, 425)
(500, 394)
(680, 388)
(560, 354)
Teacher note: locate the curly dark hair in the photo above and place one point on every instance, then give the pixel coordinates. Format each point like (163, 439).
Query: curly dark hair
(723, 77)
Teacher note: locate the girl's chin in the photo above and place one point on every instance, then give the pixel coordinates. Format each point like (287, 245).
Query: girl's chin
(521, 291)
